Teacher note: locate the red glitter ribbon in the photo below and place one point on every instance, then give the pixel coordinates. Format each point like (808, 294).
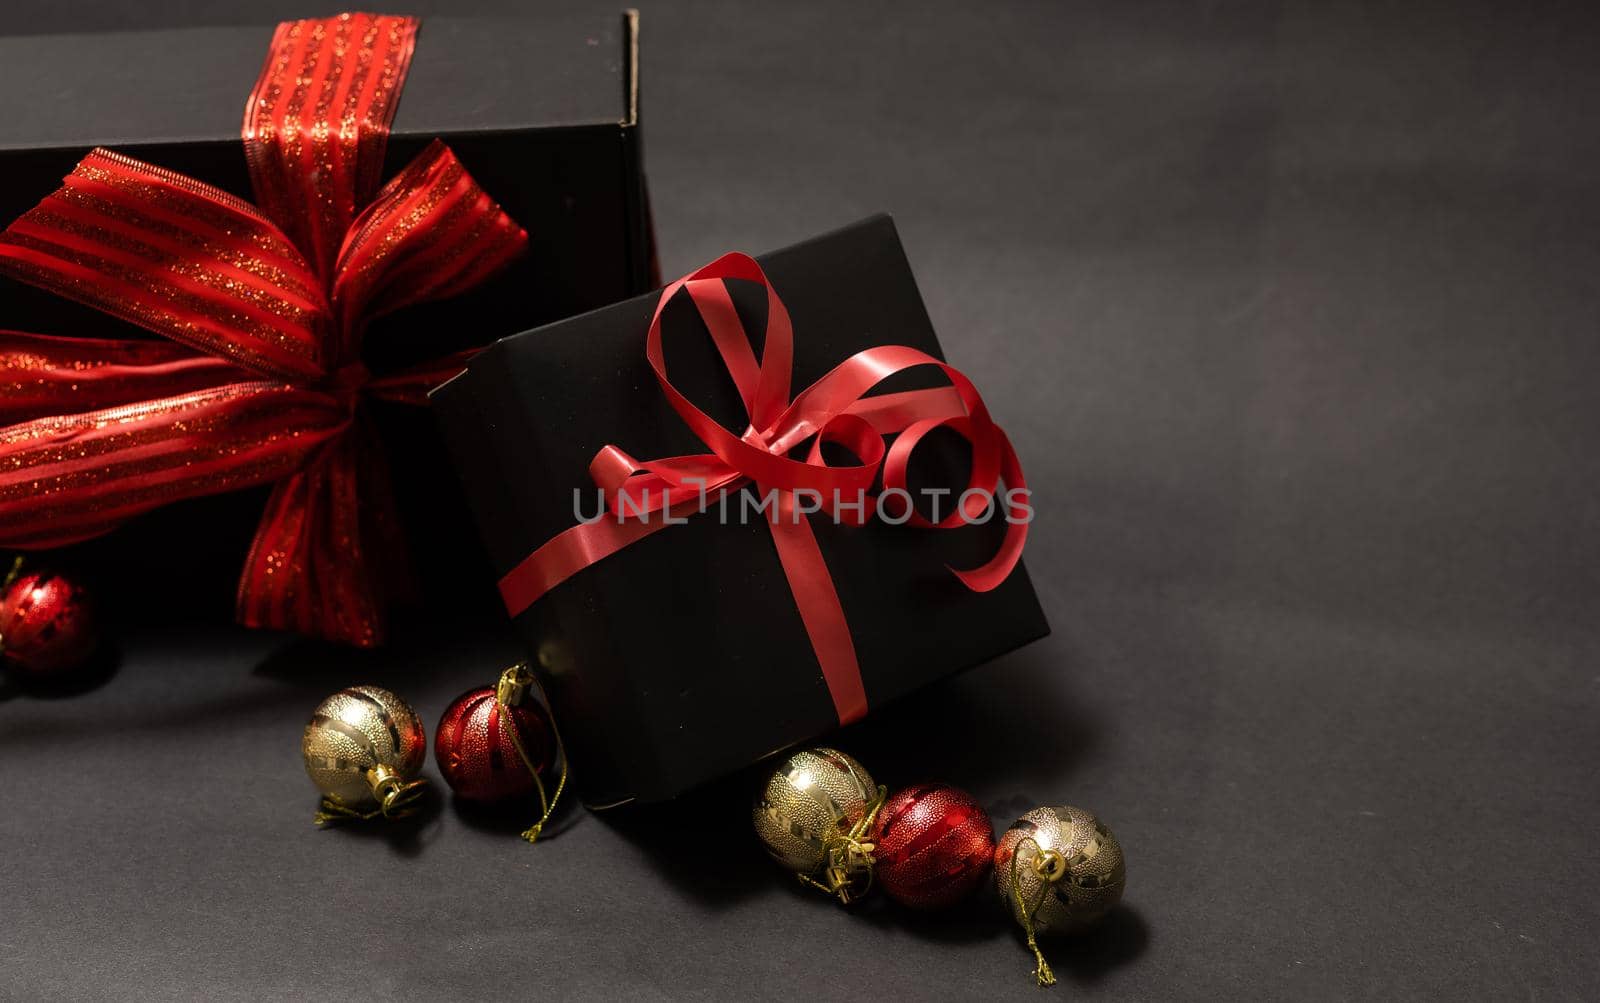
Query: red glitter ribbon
(265, 307)
(645, 497)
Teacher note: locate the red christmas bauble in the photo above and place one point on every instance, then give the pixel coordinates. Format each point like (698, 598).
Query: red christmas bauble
(475, 751)
(48, 625)
(933, 845)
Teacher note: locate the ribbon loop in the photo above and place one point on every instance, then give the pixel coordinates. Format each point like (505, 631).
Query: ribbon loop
(181, 258)
(316, 125)
(431, 233)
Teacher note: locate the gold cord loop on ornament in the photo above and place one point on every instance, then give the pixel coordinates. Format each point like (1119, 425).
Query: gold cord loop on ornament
(847, 872)
(396, 797)
(1050, 866)
(508, 692)
(330, 811)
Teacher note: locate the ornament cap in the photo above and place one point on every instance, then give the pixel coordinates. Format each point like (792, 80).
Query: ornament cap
(513, 685)
(1050, 865)
(396, 795)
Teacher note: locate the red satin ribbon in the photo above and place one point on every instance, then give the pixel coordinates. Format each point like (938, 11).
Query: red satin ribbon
(645, 497)
(265, 308)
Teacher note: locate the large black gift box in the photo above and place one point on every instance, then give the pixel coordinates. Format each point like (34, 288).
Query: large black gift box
(683, 657)
(542, 110)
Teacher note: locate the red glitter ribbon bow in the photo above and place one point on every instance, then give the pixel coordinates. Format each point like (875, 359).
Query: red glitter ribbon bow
(645, 497)
(265, 309)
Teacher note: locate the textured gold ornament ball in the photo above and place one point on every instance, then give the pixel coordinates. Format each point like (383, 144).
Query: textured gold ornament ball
(1065, 863)
(808, 804)
(363, 744)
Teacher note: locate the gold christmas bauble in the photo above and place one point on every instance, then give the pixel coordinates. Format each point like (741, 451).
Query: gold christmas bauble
(363, 748)
(813, 813)
(1059, 869)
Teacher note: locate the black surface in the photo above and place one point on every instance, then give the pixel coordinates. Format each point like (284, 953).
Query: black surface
(683, 658)
(1291, 311)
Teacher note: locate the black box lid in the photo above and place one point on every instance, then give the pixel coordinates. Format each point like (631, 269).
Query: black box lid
(188, 85)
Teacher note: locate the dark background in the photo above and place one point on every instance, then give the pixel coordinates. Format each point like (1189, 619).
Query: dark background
(1291, 311)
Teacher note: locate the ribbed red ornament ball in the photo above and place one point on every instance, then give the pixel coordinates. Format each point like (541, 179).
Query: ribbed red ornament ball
(48, 626)
(475, 751)
(933, 845)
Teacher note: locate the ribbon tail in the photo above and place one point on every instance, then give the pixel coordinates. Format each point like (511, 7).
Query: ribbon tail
(585, 544)
(44, 375)
(327, 557)
(574, 549)
(70, 477)
(820, 610)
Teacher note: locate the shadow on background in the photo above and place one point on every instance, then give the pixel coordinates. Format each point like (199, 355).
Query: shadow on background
(93, 675)
(212, 714)
(420, 653)
(512, 818)
(1086, 957)
(701, 842)
(978, 917)
(976, 730)
(325, 667)
(406, 837)
(967, 732)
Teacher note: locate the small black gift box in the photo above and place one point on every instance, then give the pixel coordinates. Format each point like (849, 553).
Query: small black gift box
(683, 656)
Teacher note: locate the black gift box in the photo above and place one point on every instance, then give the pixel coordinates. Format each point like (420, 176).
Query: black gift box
(543, 112)
(683, 657)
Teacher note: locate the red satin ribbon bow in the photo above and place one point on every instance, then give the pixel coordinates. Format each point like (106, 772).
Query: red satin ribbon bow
(835, 409)
(265, 309)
